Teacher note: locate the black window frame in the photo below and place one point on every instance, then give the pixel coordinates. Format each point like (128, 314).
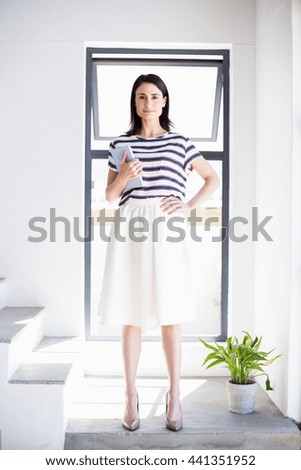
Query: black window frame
(222, 61)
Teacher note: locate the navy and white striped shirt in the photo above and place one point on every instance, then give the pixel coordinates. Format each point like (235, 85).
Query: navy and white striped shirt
(166, 164)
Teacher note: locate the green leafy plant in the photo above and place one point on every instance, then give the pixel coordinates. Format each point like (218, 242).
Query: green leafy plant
(243, 359)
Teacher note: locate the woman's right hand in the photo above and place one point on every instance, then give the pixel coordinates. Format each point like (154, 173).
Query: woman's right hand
(131, 169)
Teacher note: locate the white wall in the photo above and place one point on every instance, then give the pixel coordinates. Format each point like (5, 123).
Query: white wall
(294, 347)
(106, 20)
(42, 47)
(275, 317)
(42, 167)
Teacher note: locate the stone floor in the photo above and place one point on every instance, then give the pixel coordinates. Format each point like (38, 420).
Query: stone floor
(95, 419)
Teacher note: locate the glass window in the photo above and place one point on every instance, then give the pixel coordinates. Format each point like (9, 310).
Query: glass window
(195, 101)
(198, 85)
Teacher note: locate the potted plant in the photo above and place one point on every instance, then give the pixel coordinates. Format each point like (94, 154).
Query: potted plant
(245, 362)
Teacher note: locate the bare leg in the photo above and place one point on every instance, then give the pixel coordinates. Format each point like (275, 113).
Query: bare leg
(131, 346)
(171, 340)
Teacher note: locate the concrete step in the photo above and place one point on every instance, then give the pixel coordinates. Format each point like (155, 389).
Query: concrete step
(34, 415)
(59, 350)
(21, 329)
(45, 383)
(51, 362)
(14, 320)
(50, 374)
(95, 422)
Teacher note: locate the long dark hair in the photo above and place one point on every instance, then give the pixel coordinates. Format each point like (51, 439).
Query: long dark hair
(135, 126)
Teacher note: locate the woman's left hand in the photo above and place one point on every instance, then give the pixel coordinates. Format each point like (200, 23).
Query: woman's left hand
(173, 204)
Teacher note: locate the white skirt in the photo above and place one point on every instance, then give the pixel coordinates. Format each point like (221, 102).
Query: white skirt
(148, 281)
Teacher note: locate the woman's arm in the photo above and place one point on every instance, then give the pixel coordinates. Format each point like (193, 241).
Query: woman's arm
(211, 182)
(116, 182)
(115, 186)
(172, 204)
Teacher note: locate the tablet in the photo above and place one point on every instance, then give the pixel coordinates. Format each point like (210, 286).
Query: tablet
(117, 155)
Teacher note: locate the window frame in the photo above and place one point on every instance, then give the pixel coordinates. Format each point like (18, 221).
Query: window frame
(108, 55)
(163, 62)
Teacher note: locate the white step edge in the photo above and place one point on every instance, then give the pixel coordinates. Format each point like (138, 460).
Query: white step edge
(21, 329)
(47, 374)
(33, 416)
(13, 320)
(47, 385)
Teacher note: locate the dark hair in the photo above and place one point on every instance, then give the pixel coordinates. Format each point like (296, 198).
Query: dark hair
(165, 122)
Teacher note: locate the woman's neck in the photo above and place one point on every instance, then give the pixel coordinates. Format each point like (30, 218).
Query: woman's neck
(151, 129)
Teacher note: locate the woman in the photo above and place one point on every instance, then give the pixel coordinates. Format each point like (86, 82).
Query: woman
(149, 283)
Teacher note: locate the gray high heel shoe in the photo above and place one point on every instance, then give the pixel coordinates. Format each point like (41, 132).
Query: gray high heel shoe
(173, 425)
(132, 424)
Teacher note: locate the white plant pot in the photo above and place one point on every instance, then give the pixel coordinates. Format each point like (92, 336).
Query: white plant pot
(242, 398)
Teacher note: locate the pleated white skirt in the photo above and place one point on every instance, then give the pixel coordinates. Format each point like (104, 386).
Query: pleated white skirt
(150, 282)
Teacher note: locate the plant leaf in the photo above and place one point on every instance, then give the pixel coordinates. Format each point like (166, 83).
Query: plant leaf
(268, 385)
(211, 356)
(218, 361)
(272, 360)
(207, 345)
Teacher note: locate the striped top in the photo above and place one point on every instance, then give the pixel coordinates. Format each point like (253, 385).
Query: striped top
(166, 162)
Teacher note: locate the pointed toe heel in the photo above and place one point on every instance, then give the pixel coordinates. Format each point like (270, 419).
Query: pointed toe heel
(173, 425)
(132, 424)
